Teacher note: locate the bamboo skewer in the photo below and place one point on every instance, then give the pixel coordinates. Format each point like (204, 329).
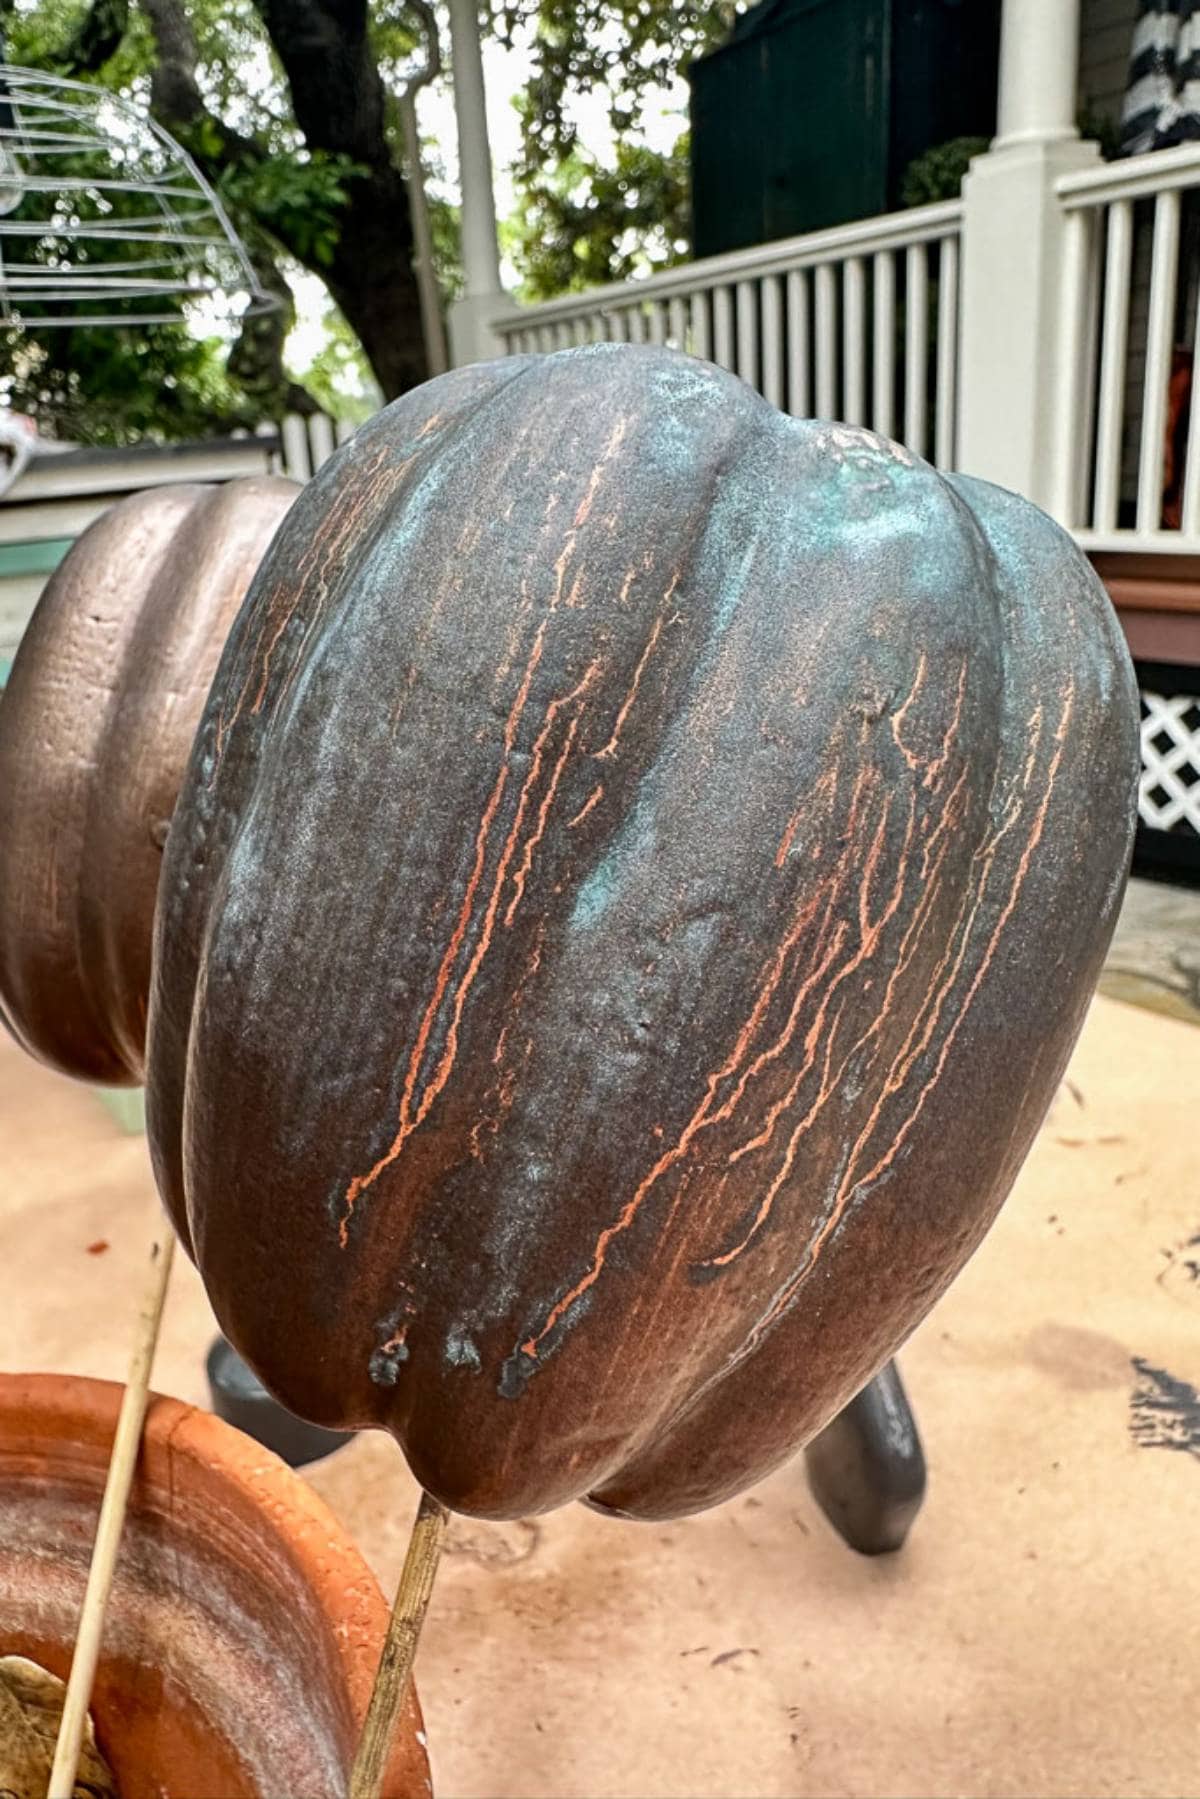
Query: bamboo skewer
(126, 1444)
(394, 1673)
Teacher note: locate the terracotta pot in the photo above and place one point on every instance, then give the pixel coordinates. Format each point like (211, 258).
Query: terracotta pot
(244, 1628)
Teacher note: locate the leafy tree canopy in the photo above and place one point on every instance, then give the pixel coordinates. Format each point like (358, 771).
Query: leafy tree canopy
(291, 108)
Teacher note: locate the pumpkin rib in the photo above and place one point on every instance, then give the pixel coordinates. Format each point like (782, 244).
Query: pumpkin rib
(115, 666)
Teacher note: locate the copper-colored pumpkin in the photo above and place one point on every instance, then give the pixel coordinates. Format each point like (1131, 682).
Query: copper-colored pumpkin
(640, 874)
(95, 727)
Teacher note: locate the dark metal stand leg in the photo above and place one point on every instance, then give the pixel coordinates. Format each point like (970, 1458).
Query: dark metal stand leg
(866, 1470)
(240, 1398)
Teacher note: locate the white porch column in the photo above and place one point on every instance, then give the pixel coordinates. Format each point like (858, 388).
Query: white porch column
(471, 336)
(1039, 59)
(1014, 330)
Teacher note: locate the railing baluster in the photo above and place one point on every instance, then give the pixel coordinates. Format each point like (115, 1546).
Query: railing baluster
(799, 387)
(658, 322)
(637, 324)
(1190, 519)
(618, 326)
(883, 370)
(677, 324)
(320, 439)
(854, 340)
(295, 448)
(1163, 271)
(772, 339)
(916, 346)
(1089, 350)
(827, 406)
(746, 313)
(947, 355)
(1067, 444)
(1114, 353)
(723, 327)
(701, 344)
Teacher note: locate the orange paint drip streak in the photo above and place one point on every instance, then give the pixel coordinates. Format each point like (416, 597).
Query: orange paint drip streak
(669, 1158)
(593, 799)
(789, 1156)
(441, 1073)
(826, 788)
(866, 947)
(930, 1016)
(535, 837)
(776, 1049)
(898, 718)
(868, 940)
(362, 1181)
(627, 704)
(939, 762)
(702, 1116)
(324, 551)
(950, 813)
(584, 508)
(852, 1182)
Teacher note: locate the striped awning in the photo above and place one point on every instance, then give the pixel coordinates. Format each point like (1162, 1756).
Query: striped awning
(1162, 100)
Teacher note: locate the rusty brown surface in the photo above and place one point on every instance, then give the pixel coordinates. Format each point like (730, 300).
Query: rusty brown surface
(640, 875)
(95, 727)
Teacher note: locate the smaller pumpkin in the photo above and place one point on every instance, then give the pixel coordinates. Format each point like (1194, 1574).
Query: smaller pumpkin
(105, 693)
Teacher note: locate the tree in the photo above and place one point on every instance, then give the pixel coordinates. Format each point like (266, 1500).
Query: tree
(292, 110)
(304, 154)
(584, 218)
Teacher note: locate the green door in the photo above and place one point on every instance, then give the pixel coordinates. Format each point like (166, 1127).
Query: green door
(790, 125)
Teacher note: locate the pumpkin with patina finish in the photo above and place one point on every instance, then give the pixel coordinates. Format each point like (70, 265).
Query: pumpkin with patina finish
(640, 874)
(105, 692)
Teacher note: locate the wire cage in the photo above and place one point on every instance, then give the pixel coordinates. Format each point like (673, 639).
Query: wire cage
(104, 219)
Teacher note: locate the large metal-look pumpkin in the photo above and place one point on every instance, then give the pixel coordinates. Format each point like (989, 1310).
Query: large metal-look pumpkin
(641, 871)
(96, 723)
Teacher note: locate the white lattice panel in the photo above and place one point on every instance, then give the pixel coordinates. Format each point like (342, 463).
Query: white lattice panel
(1169, 795)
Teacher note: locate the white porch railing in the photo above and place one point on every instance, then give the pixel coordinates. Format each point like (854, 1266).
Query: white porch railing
(1130, 482)
(863, 324)
(305, 443)
(858, 324)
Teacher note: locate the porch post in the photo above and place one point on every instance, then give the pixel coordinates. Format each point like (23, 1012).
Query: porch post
(483, 299)
(1015, 333)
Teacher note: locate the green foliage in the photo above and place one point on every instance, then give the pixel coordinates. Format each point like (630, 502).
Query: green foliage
(938, 173)
(338, 377)
(120, 385)
(111, 384)
(581, 219)
(298, 198)
(114, 386)
(1102, 128)
(584, 224)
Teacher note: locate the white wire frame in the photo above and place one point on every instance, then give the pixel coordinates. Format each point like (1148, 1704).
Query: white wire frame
(61, 223)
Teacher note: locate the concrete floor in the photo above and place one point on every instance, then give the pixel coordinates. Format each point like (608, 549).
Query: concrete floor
(1154, 959)
(1039, 1635)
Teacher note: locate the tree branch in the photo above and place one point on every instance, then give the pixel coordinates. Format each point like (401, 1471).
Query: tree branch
(97, 37)
(175, 96)
(337, 92)
(431, 68)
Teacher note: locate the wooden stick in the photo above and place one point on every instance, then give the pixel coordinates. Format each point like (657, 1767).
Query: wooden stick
(399, 1649)
(126, 1444)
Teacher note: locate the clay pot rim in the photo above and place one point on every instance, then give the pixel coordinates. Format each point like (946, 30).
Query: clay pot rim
(78, 1409)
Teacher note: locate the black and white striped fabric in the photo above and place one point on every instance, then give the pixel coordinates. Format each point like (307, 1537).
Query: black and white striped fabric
(1162, 100)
